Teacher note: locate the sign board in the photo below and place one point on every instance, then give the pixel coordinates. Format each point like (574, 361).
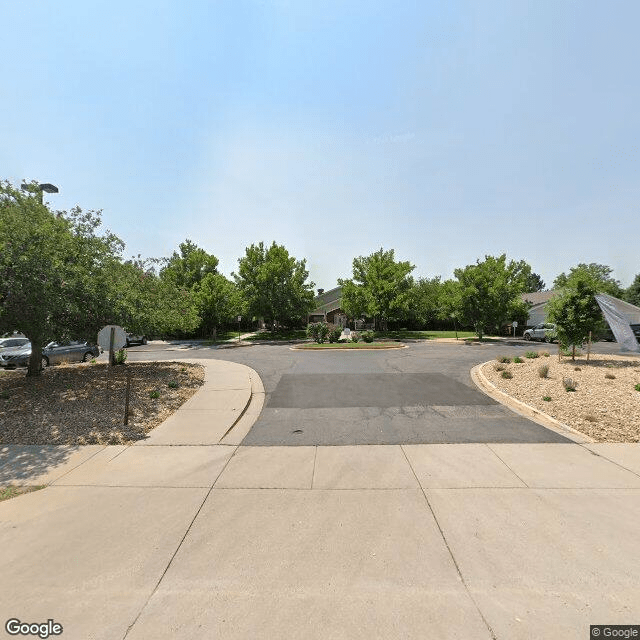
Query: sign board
(514, 323)
(239, 318)
(119, 337)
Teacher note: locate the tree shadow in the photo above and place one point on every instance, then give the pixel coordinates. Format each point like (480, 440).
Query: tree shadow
(20, 464)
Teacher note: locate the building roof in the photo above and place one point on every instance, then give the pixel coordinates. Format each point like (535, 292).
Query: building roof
(538, 297)
(328, 301)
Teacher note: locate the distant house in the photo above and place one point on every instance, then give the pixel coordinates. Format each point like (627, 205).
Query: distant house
(328, 307)
(539, 300)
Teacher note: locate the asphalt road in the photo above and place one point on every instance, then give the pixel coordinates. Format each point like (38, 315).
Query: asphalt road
(418, 395)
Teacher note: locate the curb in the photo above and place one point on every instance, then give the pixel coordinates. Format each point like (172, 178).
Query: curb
(525, 410)
(400, 346)
(241, 427)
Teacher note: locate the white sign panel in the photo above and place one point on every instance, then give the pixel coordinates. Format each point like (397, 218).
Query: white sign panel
(119, 337)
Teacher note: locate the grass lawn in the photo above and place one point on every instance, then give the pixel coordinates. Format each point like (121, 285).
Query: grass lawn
(423, 335)
(350, 345)
(11, 492)
(289, 334)
(222, 337)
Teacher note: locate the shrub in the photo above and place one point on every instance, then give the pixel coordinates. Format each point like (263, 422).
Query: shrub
(569, 384)
(518, 360)
(577, 369)
(637, 387)
(355, 336)
(609, 376)
(503, 359)
(531, 354)
(120, 356)
(545, 354)
(499, 367)
(367, 336)
(154, 394)
(318, 331)
(543, 371)
(172, 384)
(546, 398)
(334, 332)
(590, 418)
(93, 360)
(507, 375)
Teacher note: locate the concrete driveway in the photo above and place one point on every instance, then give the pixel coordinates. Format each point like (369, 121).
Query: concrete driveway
(480, 540)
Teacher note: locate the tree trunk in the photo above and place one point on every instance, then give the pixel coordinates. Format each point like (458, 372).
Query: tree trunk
(573, 353)
(35, 360)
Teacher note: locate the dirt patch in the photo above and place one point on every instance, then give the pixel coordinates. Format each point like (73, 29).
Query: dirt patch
(605, 404)
(84, 403)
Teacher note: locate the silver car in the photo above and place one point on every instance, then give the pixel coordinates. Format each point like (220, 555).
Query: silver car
(53, 353)
(12, 343)
(546, 332)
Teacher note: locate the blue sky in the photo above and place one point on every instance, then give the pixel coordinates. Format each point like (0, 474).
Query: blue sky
(443, 130)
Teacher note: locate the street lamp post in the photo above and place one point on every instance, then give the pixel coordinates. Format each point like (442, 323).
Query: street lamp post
(239, 318)
(42, 187)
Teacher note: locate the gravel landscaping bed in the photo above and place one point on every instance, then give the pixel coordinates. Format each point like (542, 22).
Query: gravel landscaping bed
(605, 404)
(84, 403)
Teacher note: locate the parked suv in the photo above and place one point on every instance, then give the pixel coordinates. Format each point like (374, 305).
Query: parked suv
(546, 332)
(131, 339)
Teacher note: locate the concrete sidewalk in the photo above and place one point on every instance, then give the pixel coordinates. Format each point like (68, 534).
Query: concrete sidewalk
(189, 537)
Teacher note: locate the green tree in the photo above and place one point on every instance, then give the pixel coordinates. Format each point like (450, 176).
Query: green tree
(425, 300)
(274, 285)
(533, 283)
(138, 299)
(598, 274)
(49, 268)
(187, 268)
(218, 301)
(488, 293)
(575, 312)
(380, 288)
(61, 279)
(632, 294)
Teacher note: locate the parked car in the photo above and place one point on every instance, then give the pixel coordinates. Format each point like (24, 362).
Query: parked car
(546, 332)
(12, 343)
(132, 339)
(53, 353)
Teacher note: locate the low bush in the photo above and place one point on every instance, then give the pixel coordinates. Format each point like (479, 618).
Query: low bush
(172, 384)
(545, 354)
(609, 376)
(499, 367)
(355, 336)
(318, 331)
(518, 360)
(577, 369)
(637, 387)
(154, 394)
(503, 359)
(507, 375)
(334, 332)
(543, 371)
(546, 398)
(368, 336)
(531, 354)
(569, 384)
(120, 356)
(591, 418)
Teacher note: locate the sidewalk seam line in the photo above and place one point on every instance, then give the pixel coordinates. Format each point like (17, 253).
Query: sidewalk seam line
(453, 558)
(599, 455)
(313, 473)
(486, 444)
(78, 466)
(177, 548)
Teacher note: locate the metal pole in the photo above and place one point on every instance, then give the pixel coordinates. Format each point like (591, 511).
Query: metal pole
(126, 399)
(589, 347)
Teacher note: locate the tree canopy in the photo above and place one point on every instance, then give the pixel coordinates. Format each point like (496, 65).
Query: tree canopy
(379, 287)
(274, 285)
(488, 293)
(599, 275)
(632, 294)
(190, 266)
